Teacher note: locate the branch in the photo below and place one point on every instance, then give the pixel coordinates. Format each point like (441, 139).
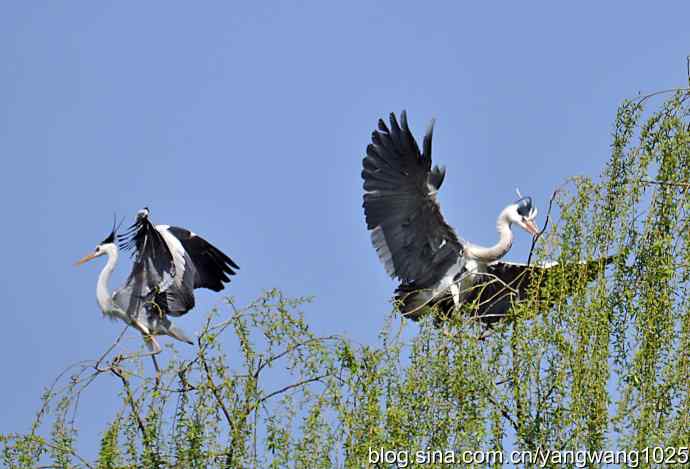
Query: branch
(288, 387)
(214, 389)
(112, 347)
(504, 412)
(42, 441)
(117, 371)
(289, 349)
(546, 224)
(642, 99)
(665, 183)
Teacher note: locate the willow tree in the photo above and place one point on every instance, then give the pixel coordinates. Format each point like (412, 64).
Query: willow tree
(605, 367)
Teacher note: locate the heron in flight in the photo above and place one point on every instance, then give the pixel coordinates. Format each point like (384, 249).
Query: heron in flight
(417, 246)
(169, 263)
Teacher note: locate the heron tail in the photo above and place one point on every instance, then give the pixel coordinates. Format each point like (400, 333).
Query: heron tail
(177, 333)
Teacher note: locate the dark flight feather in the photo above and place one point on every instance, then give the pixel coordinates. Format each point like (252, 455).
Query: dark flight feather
(409, 233)
(494, 297)
(153, 280)
(418, 247)
(213, 267)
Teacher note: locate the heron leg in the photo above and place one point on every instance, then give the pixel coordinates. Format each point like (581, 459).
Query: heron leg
(153, 344)
(158, 370)
(155, 348)
(142, 327)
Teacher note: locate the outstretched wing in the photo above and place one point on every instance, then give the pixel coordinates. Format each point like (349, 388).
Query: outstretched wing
(508, 282)
(162, 273)
(213, 267)
(409, 233)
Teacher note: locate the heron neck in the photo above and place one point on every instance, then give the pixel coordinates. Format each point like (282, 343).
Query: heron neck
(102, 294)
(501, 248)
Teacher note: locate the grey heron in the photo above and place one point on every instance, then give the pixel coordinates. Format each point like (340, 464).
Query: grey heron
(169, 263)
(417, 246)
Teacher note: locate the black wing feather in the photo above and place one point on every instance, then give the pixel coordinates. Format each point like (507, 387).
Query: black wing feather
(153, 273)
(409, 233)
(152, 256)
(494, 298)
(213, 267)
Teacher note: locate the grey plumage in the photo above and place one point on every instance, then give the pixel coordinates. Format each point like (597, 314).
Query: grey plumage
(168, 264)
(417, 246)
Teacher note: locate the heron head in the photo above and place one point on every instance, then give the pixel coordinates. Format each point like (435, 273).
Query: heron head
(522, 213)
(102, 248)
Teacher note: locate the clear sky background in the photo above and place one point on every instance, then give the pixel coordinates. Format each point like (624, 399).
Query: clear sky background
(247, 122)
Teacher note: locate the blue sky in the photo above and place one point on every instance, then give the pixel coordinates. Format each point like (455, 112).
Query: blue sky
(247, 122)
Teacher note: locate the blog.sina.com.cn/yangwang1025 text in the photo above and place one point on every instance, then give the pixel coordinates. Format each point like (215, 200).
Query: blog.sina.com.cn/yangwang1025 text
(539, 457)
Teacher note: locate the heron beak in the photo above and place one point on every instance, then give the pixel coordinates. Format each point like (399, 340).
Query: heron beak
(86, 259)
(531, 228)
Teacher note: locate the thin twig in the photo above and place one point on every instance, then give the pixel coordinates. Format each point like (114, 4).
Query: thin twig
(504, 412)
(214, 389)
(642, 99)
(112, 347)
(117, 371)
(290, 348)
(290, 386)
(665, 183)
(546, 224)
(42, 441)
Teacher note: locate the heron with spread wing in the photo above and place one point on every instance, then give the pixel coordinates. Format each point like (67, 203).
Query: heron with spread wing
(417, 246)
(169, 263)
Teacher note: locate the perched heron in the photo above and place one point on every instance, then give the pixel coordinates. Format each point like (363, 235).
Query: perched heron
(417, 246)
(169, 263)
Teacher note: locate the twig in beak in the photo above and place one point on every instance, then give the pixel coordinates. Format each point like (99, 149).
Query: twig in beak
(546, 224)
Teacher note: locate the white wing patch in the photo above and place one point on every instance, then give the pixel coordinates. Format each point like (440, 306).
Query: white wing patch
(176, 249)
